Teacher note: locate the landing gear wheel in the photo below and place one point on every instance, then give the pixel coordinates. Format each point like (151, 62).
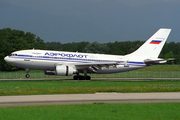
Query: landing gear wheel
(82, 78)
(79, 77)
(76, 77)
(27, 75)
(88, 78)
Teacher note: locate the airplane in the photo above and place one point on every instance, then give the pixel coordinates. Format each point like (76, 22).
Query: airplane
(68, 63)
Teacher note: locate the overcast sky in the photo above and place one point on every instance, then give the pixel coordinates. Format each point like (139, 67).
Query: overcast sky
(92, 20)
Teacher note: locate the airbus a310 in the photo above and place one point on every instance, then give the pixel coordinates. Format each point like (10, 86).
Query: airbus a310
(68, 63)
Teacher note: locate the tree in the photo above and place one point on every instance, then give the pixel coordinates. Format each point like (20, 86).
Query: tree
(53, 46)
(14, 40)
(96, 47)
(170, 54)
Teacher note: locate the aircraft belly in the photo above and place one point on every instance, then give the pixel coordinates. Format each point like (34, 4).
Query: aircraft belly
(118, 69)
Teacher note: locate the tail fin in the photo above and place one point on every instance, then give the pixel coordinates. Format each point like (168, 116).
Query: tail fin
(153, 46)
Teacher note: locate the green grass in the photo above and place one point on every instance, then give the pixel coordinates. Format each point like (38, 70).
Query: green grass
(100, 111)
(157, 71)
(76, 87)
(96, 111)
(161, 68)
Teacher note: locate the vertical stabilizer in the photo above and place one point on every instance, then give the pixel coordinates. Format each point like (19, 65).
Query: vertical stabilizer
(153, 46)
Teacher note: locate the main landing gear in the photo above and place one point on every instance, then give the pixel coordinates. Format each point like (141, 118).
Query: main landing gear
(85, 77)
(79, 77)
(27, 75)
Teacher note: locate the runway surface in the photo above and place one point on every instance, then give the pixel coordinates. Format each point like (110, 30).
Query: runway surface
(29, 100)
(94, 79)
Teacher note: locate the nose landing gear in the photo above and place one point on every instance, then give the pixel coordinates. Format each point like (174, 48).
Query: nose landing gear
(27, 75)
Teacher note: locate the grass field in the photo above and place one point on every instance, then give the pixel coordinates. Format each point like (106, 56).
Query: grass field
(100, 111)
(157, 71)
(76, 87)
(96, 111)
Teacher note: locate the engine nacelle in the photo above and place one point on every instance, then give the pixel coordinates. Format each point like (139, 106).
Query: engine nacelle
(64, 70)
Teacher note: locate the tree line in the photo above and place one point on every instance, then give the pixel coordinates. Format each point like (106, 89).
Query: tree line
(14, 40)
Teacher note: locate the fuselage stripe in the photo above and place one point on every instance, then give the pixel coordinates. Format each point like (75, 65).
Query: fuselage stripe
(46, 58)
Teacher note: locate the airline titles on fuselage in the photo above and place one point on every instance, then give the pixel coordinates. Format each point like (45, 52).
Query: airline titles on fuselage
(65, 55)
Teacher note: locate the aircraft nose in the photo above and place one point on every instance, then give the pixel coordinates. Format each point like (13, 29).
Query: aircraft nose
(6, 59)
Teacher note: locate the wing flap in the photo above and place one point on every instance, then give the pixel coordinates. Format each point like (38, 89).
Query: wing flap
(94, 66)
(102, 64)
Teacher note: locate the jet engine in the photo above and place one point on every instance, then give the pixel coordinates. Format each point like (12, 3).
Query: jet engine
(62, 70)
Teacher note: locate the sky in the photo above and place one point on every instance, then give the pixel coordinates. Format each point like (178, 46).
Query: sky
(104, 21)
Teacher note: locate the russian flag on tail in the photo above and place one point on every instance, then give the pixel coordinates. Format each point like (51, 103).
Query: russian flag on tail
(155, 42)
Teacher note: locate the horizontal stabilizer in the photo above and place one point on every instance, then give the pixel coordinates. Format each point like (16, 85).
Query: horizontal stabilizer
(151, 62)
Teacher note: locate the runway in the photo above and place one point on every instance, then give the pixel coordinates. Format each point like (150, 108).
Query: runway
(33, 100)
(96, 79)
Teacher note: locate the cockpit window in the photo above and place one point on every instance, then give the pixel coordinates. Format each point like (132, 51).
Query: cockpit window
(13, 55)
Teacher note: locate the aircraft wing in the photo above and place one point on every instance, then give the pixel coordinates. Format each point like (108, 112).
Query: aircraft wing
(94, 66)
(98, 63)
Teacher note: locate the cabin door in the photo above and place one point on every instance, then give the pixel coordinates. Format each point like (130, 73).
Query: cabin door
(27, 56)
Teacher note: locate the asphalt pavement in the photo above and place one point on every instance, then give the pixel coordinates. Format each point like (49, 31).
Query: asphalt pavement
(34, 100)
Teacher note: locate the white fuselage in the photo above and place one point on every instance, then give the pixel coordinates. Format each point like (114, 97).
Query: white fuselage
(69, 63)
(47, 60)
